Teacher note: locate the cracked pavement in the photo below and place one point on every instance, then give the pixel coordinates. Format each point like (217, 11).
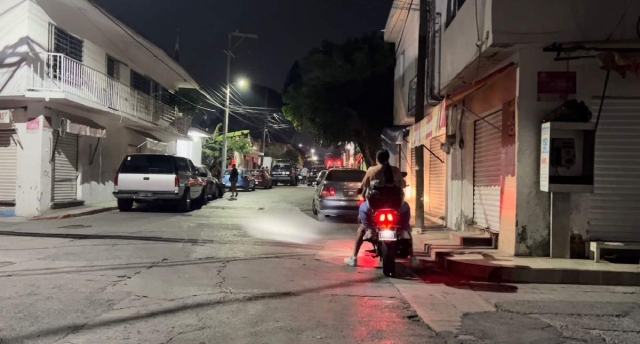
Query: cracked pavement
(155, 277)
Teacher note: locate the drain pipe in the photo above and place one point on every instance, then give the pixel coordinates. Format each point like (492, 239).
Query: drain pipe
(433, 98)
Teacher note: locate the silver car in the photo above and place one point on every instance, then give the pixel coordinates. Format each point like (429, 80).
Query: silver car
(337, 193)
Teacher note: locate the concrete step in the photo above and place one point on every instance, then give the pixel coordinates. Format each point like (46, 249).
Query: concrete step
(471, 239)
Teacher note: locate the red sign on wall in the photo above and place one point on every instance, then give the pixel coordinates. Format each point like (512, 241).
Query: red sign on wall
(556, 85)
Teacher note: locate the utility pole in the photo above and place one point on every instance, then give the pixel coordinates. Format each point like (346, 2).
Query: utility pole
(420, 100)
(264, 126)
(226, 109)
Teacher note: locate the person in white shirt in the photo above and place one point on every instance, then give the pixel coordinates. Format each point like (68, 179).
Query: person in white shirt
(304, 173)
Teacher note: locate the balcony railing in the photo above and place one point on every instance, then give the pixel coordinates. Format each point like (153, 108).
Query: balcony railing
(57, 73)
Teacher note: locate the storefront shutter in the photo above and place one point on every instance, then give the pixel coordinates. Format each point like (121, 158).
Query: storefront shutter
(437, 179)
(65, 168)
(614, 213)
(487, 168)
(8, 166)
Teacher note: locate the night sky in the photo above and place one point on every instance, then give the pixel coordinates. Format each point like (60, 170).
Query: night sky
(287, 30)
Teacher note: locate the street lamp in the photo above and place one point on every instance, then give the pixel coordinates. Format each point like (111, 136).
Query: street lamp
(226, 110)
(300, 145)
(313, 150)
(243, 83)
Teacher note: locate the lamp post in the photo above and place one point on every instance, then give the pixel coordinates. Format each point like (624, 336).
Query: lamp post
(226, 109)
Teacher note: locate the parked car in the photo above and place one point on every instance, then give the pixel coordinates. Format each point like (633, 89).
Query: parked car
(313, 174)
(319, 178)
(212, 185)
(262, 179)
(284, 174)
(245, 181)
(337, 194)
(158, 178)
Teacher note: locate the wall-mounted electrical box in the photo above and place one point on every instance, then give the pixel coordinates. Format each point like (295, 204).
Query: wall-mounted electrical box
(567, 156)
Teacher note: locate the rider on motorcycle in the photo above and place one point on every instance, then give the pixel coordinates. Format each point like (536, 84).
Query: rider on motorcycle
(385, 174)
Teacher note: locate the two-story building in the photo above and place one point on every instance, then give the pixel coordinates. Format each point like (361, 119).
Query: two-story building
(495, 70)
(78, 91)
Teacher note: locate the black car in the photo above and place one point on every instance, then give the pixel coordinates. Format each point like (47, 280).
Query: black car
(284, 174)
(214, 188)
(313, 174)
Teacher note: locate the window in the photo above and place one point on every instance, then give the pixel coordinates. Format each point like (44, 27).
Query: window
(345, 176)
(401, 65)
(193, 167)
(453, 6)
(183, 165)
(411, 102)
(147, 164)
(167, 97)
(113, 67)
(155, 90)
(62, 42)
(140, 82)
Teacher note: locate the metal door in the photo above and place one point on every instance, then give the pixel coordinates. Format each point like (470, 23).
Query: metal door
(614, 213)
(437, 179)
(487, 170)
(8, 166)
(65, 168)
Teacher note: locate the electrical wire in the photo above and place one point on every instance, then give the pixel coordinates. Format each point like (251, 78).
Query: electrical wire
(406, 19)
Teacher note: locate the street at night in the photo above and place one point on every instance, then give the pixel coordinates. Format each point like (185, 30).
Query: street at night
(156, 277)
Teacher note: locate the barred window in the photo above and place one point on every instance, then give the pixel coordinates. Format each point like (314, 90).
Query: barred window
(67, 44)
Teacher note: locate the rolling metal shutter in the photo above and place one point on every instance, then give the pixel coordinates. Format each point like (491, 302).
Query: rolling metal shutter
(8, 166)
(614, 213)
(65, 168)
(437, 180)
(413, 171)
(487, 169)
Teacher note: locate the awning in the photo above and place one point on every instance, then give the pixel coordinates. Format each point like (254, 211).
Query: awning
(478, 84)
(393, 135)
(149, 136)
(82, 126)
(431, 126)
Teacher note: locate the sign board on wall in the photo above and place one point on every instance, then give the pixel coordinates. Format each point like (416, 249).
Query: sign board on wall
(554, 86)
(5, 116)
(33, 125)
(545, 142)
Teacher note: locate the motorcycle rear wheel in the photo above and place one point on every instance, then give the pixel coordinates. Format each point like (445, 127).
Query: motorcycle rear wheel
(388, 253)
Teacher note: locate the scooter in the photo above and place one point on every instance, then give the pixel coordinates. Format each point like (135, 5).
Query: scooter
(387, 235)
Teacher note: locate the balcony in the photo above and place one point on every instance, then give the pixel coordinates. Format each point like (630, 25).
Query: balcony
(58, 76)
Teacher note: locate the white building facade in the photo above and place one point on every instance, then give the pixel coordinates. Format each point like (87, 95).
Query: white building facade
(496, 69)
(78, 91)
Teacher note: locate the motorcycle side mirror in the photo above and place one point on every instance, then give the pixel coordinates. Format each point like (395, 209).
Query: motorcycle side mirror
(404, 174)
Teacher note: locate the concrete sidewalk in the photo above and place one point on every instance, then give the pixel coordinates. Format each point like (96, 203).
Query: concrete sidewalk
(490, 265)
(65, 213)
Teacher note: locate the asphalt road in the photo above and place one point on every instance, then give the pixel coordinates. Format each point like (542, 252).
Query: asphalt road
(154, 277)
(262, 270)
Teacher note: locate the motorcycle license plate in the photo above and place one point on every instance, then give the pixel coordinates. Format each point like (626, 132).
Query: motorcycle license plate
(387, 235)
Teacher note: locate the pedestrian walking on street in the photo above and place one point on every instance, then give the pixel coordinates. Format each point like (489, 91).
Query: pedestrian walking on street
(304, 173)
(233, 179)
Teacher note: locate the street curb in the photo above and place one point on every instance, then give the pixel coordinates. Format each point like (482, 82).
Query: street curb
(525, 274)
(80, 214)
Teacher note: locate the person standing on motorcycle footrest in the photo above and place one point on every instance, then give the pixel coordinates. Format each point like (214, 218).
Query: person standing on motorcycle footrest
(387, 175)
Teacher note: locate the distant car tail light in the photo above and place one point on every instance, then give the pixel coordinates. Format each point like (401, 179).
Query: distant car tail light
(328, 191)
(115, 180)
(177, 181)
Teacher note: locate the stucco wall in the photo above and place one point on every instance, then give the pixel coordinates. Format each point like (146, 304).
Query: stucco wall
(407, 45)
(533, 220)
(14, 45)
(460, 178)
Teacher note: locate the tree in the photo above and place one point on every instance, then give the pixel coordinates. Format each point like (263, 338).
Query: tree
(293, 155)
(281, 152)
(212, 147)
(344, 92)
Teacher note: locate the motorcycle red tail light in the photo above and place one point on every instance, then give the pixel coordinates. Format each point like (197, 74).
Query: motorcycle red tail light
(386, 217)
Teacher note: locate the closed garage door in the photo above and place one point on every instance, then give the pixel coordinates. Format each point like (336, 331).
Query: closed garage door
(437, 179)
(65, 168)
(487, 168)
(8, 165)
(615, 203)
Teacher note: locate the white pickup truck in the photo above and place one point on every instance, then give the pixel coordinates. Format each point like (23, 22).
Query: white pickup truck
(158, 177)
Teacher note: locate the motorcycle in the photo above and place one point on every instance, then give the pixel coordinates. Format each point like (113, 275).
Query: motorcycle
(387, 234)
